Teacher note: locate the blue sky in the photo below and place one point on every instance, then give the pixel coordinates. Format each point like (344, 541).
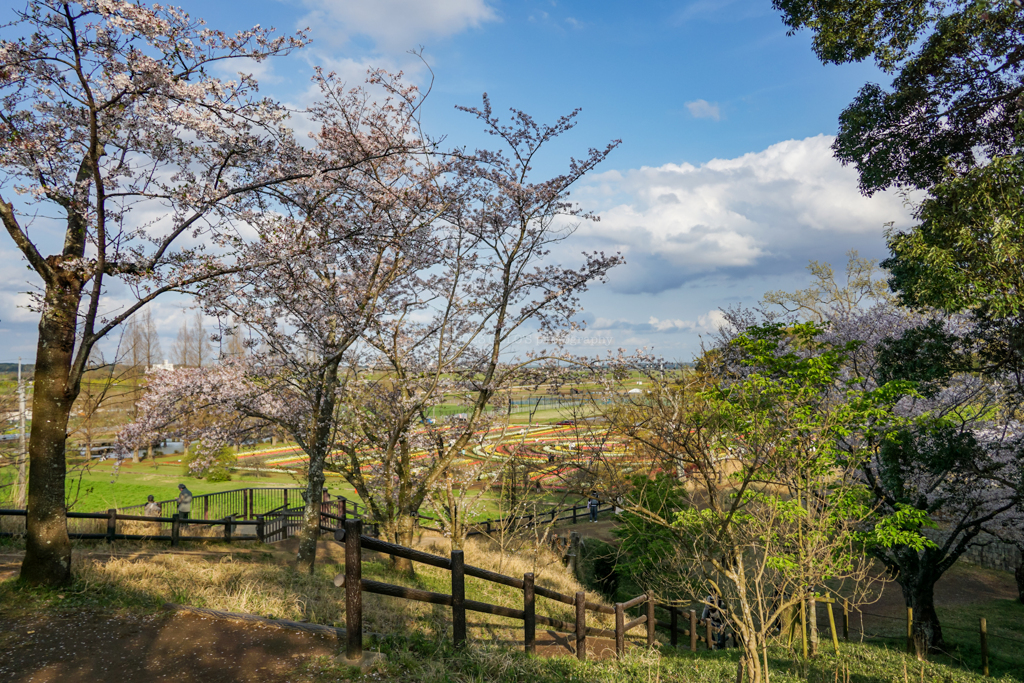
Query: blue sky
(722, 189)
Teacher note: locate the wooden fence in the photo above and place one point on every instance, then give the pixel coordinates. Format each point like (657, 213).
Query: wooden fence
(275, 525)
(239, 520)
(351, 535)
(174, 529)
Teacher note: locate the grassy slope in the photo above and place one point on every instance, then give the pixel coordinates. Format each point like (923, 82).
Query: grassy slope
(417, 636)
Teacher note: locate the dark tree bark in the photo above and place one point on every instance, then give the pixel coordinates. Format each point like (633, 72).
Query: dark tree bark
(920, 595)
(917, 573)
(322, 433)
(48, 548)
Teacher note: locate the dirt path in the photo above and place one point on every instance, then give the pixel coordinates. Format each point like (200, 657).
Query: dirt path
(86, 647)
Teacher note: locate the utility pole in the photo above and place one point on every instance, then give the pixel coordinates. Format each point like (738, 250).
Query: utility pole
(19, 493)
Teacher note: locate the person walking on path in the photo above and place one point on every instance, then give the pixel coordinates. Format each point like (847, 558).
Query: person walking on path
(184, 502)
(592, 507)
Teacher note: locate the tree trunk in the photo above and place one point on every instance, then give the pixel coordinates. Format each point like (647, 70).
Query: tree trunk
(310, 533)
(48, 549)
(919, 593)
(403, 531)
(1018, 574)
(750, 662)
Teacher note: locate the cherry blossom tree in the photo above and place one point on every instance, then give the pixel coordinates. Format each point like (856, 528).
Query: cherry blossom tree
(111, 118)
(423, 272)
(953, 461)
(495, 277)
(330, 265)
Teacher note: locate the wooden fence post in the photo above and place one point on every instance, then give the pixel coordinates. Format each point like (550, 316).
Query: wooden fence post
(984, 647)
(175, 529)
(574, 552)
(832, 627)
(488, 523)
(530, 620)
(620, 630)
(650, 620)
(581, 626)
(693, 630)
(673, 628)
(803, 626)
(573, 514)
(111, 524)
(910, 630)
(206, 507)
(458, 598)
(259, 527)
(344, 510)
(846, 620)
(353, 589)
(812, 622)
(227, 529)
(707, 634)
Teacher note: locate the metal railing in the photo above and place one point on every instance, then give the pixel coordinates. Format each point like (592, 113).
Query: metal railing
(244, 503)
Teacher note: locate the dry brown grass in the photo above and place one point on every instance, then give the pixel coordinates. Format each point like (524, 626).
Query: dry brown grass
(12, 525)
(240, 580)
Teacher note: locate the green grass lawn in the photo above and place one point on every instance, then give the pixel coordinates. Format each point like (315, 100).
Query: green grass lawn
(960, 628)
(103, 485)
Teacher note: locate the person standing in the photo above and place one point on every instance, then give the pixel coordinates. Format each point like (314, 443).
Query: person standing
(592, 507)
(713, 614)
(184, 502)
(152, 509)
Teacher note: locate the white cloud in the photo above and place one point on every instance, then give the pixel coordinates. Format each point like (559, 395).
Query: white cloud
(763, 212)
(702, 109)
(708, 322)
(394, 24)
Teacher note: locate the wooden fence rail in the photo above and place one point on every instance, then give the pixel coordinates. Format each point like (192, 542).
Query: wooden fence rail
(351, 535)
(273, 526)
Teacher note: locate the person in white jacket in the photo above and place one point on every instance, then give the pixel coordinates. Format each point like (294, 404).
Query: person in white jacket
(184, 502)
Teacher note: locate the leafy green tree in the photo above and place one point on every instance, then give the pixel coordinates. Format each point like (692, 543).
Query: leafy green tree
(648, 549)
(957, 90)
(965, 252)
(951, 459)
(770, 441)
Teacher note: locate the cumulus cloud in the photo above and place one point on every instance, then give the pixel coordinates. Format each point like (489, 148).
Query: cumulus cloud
(762, 213)
(394, 24)
(702, 109)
